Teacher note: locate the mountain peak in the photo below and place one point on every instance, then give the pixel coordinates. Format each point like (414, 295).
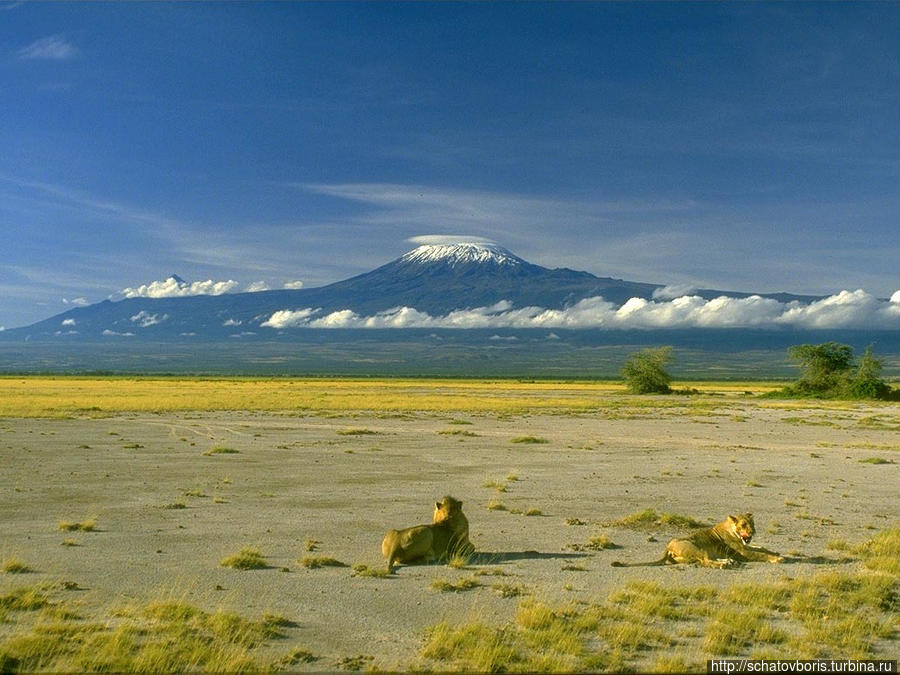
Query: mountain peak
(462, 253)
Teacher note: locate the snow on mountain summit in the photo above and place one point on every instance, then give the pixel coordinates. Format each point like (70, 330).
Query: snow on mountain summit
(462, 253)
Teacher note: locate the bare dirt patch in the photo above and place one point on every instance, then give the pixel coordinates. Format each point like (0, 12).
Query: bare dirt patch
(295, 479)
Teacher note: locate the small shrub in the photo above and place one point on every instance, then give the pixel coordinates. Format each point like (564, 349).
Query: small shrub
(495, 505)
(533, 512)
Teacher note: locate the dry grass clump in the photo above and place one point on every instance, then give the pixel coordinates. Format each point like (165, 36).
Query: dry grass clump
(459, 560)
(246, 559)
(650, 518)
(509, 590)
(314, 562)
(458, 432)
(495, 484)
(25, 598)
(14, 566)
(599, 542)
(533, 511)
(221, 450)
(165, 636)
(88, 525)
(461, 584)
(356, 432)
(496, 505)
(363, 570)
(882, 552)
(831, 615)
(529, 439)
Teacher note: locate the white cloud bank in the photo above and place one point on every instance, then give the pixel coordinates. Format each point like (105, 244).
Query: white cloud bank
(856, 309)
(177, 288)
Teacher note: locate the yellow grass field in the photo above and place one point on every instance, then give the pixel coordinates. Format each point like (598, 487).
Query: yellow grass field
(41, 396)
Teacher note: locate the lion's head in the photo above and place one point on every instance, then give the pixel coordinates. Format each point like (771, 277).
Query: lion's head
(742, 526)
(447, 509)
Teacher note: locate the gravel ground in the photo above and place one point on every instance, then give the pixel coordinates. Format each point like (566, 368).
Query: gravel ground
(343, 481)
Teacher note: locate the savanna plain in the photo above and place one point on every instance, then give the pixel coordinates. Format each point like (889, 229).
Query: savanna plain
(222, 524)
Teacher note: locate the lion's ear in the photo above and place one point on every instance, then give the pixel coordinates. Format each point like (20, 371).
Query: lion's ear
(733, 519)
(437, 505)
(748, 515)
(459, 504)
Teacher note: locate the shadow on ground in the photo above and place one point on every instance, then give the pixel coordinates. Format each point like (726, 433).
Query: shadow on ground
(497, 557)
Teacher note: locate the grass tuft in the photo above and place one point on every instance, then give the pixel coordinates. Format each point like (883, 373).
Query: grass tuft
(246, 559)
(84, 526)
(314, 562)
(363, 570)
(14, 566)
(650, 518)
(461, 584)
(221, 450)
(528, 439)
(356, 432)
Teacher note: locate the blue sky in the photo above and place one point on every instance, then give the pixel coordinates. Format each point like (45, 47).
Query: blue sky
(736, 146)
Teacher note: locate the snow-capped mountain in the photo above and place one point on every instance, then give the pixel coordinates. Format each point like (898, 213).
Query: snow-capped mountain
(479, 253)
(431, 280)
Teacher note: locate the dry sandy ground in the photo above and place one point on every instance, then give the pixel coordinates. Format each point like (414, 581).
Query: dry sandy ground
(297, 478)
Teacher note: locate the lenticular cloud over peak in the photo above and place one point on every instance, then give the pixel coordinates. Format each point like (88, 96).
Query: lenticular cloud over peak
(176, 287)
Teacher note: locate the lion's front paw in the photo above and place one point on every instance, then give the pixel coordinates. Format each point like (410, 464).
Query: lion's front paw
(776, 558)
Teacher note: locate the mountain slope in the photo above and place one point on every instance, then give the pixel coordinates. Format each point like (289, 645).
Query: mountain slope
(435, 280)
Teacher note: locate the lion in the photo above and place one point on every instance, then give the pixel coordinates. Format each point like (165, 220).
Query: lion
(724, 545)
(447, 535)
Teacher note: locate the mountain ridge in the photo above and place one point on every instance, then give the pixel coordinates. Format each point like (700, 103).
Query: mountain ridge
(432, 279)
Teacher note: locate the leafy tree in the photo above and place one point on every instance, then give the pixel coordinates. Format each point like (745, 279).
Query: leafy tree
(645, 372)
(828, 372)
(826, 367)
(868, 383)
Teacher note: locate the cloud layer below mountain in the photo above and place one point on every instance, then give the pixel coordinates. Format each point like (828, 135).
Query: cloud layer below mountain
(847, 309)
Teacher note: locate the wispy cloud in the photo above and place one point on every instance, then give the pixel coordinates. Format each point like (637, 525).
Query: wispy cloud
(145, 319)
(856, 309)
(51, 48)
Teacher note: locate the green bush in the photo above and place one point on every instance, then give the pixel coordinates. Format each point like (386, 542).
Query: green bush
(829, 371)
(645, 372)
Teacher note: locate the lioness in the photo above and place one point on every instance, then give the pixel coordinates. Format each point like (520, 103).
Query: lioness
(447, 535)
(723, 545)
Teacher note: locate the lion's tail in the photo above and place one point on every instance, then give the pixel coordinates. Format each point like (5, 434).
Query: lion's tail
(662, 561)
